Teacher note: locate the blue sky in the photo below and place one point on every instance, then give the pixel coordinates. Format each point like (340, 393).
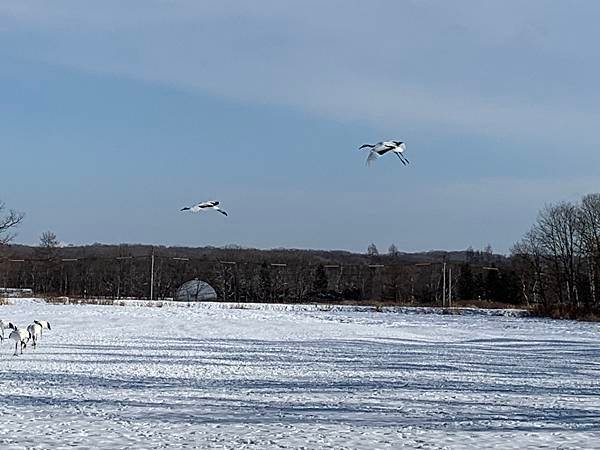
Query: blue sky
(115, 114)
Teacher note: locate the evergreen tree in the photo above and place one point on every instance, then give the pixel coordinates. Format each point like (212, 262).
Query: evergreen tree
(466, 285)
(493, 286)
(512, 288)
(479, 291)
(320, 282)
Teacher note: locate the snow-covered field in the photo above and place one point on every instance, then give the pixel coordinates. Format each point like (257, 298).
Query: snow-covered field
(212, 377)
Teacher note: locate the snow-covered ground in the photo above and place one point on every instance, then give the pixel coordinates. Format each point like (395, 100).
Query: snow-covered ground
(214, 377)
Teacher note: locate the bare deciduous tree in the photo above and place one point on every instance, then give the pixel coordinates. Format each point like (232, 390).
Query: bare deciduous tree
(589, 229)
(48, 240)
(557, 230)
(558, 260)
(8, 221)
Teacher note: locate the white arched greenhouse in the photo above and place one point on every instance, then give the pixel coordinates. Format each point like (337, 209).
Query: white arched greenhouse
(195, 291)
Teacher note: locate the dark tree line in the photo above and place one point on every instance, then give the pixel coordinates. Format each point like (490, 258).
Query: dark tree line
(496, 284)
(250, 275)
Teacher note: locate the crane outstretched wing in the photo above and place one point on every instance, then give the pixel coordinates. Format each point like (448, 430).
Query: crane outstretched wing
(372, 158)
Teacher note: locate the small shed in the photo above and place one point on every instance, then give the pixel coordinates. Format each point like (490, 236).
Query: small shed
(195, 291)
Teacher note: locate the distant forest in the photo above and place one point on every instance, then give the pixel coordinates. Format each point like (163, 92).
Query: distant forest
(554, 269)
(251, 275)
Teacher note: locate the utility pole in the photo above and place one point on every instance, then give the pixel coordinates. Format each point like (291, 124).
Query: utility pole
(152, 275)
(444, 284)
(450, 287)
